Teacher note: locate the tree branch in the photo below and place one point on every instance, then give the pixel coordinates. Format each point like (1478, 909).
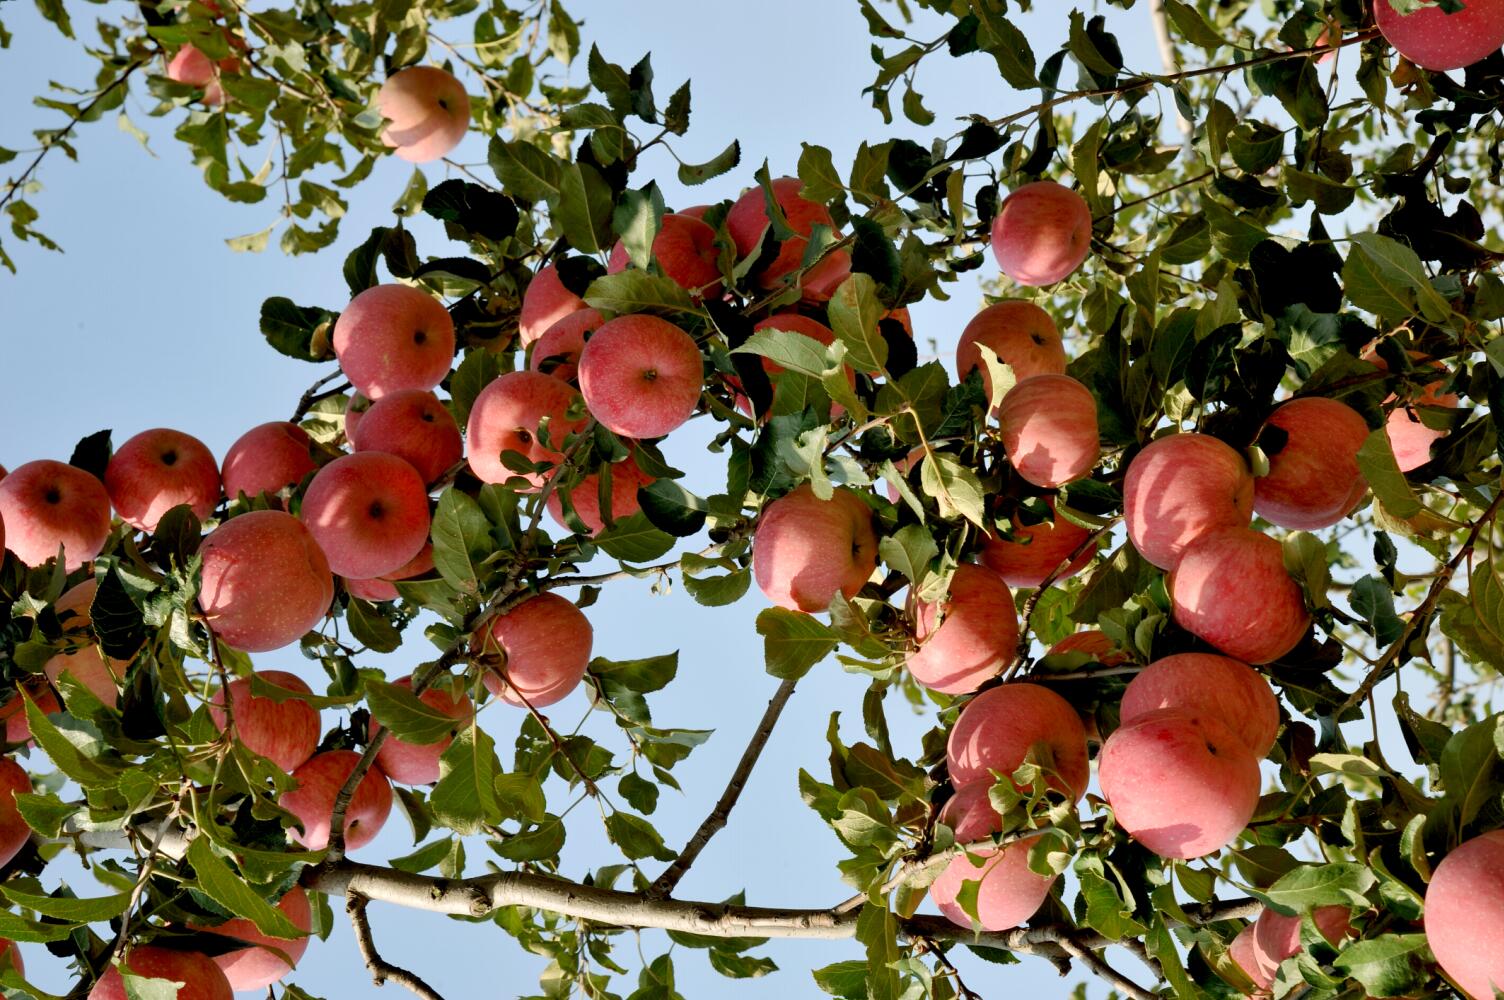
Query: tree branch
(716, 821)
(381, 969)
(1103, 971)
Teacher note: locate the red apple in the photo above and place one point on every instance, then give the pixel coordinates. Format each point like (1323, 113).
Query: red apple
(13, 712)
(546, 643)
(84, 662)
(46, 505)
(265, 581)
(368, 512)
(11, 952)
(968, 636)
(806, 549)
(1409, 438)
(997, 729)
(1465, 914)
(546, 301)
(1021, 334)
(1242, 952)
(507, 416)
(1179, 488)
(641, 376)
(557, 352)
(413, 425)
(686, 254)
(312, 802)
(394, 337)
(1049, 430)
(383, 588)
(1313, 479)
(190, 66)
(428, 112)
(1432, 38)
(199, 976)
(1231, 589)
(1277, 937)
(268, 458)
(1010, 892)
(267, 959)
(13, 829)
(1182, 785)
(748, 219)
(418, 763)
(626, 479)
(1205, 684)
(156, 471)
(1042, 233)
(1037, 550)
(284, 732)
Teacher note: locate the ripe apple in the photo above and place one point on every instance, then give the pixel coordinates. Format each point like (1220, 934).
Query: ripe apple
(546, 643)
(265, 581)
(199, 976)
(1042, 233)
(1049, 429)
(997, 729)
(1182, 785)
(368, 512)
(507, 415)
(319, 780)
(267, 959)
(46, 505)
(1313, 479)
(284, 732)
(1179, 488)
(1231, 589)
(156, 471)
(792, 322)
(968, 636)
(10, 952)
(84, 662)
(748, 219)
(1409, 438)
(428, 112)
(806, 549)
(557, 352)
(413, 425)
(383, 588)
(1205, 684)
(1432, 38)
(394, 337)
(585, 496)
(418, 763)
(267, 458)
(1021, 334)
(13, 829)
(1010, 892)
(1276, 938)
(1465, 914)
(191, 67)
(1037, 550)
(1241, 951)
(546, 301)
(686, 254)
(13, 712)
(641, 376)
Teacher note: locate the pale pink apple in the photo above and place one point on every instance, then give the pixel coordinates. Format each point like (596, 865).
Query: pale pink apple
(1041, 233)
(544, 645)
(267, 458)
(966, 637)
(368, 512)
(546, 301)
(13, 712)
(1313, 480)
(266, 582)
(1036, 551)
(158, 470)
(1204, 684)
(418, 763)
(1049, 430)
(47, 505)
(1179, 488)
(514, 413)
(748, 219)
(1022, 335)
(1465, 914)
(319, 780)
(998, 728)
(557, 352)
(383, 588)
(201, 979)
(413, 425)
(1409, 438)
(1231, 589)
(585, 496)
(686, 254)
(641, 376)
(13, 829)
(1277, 937)
(1009, 892)
(427, 110)
(284, 732)
(266, 959)
(1242, 952)
(805, 549)
(191, 67)
(393, 337)
(83, 661)
(1432, 38)
(1182, 785)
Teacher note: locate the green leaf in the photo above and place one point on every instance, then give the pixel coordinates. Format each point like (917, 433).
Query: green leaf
(1335, 884)
(793, 351)
(409, 717)
(1189, 22)
(954, 487)
(461, 539)
(817, 172)
(636, 837)
(651, 673)
(847, 980)
(1388, 965)
(465, 797)
(909, 551)
(16, 928)
(229, 890)
(583, 207)
(637, 219)
(691, 174)
(1372, 600)
(793, 642)
(76, 748)
(525, 171)
(45, 813)
(854, 311)
(1387, 278)
(635, 539)
(673, 508)
(290, 328)
(1469, 764)
(77, 911)
(1377, 463)
(370, 628)
(634, 291)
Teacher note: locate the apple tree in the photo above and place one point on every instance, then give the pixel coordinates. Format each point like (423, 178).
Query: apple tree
(1207, 500)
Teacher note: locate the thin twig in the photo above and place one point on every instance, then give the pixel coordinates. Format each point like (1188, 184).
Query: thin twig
(312, 395)
(382, 971)
(1102, 970)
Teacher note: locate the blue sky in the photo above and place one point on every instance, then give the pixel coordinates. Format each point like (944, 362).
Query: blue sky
(149, 320)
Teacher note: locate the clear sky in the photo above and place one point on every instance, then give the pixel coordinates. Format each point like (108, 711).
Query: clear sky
(149, 320)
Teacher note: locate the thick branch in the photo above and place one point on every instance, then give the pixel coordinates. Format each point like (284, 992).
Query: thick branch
(381, 969)
(714, 823)
(1103, 971)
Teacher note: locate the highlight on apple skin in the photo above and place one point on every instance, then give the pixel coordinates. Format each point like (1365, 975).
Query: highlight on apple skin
(46, 505)
(997, 728)
(312, 802)
(267, 458)
(368, 512)
(1009, 892)
(806, 550)
(1464, 918)
(265, 581)
(393, 337)
(1041, 233)
(1180, 487)
(428, 113)
(1231, 589)
(1434, 39)
(967, 637)
(156, 471)
(1204, 684)
(1313, 480)
(1182, 785)
(506, 416)
(641, 376)
(284, 732)
(1049, 430)
(546, 642)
